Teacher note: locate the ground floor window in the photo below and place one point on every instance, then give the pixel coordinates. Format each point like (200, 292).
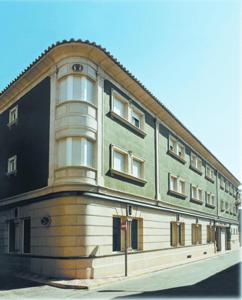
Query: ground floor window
(19, 235)
(210, 234)
(177, 234)
(196, 234)
(133, 229)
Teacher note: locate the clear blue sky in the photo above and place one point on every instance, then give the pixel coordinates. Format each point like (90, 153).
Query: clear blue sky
(185, 52)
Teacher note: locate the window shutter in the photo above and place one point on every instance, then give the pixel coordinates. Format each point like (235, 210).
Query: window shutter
(173, 234)
(199, 234)
(208, 234)
(182, 234)
(194, 239)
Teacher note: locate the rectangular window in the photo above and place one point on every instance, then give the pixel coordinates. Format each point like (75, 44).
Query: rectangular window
(177, 185)
(196, 193)
(136, 119)
(137, 166)
(13, 115)
(119, 161)
(222, 183)
(226, 186)
(176, 148)
(196, 234)
(12, 164)
(210, 199)
(196, 162)
(226, 207)
(27, 236)
(134, 234)
(222, 208)
(177, 234)
(11, 236)
(119, 107)
(210, 234)
(116, 234)
(209, 173)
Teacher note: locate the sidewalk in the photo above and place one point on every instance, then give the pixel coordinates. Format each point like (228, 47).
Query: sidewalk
(232, 257)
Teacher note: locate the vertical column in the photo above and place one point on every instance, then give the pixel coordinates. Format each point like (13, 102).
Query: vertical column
(53, 101)
(157, 161)
(100, 120)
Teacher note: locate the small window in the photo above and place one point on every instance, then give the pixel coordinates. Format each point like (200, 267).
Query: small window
(13, 115)
(226, 186)
(222, 183)
(27, 236)
(222, 207)
(176, 148)
(11, 236)
(177, 185)
(177, 234)
(119, 161)
(196, 162)
(136, 119)
(116, 234)
(120, 105)
(196, 234)
(137, 168)
(209, 173)
(226, 207)
(196, 193)
(210, 199)
(12, 165)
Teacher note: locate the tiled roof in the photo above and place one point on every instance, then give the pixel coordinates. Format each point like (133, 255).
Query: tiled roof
(87, 42)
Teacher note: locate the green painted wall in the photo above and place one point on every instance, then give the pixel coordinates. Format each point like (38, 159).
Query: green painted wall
(118, 135)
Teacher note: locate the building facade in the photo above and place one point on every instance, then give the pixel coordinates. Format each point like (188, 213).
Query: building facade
(91, 164)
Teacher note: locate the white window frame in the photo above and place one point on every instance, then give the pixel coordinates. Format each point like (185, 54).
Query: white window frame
(198, 189)
(141, 161)
(12, 159)
(210, 173)
(126, 157)
(222, 183)
(210, 199)
(175, 146)
(13, 112)
(177, 190)
(119, 97)
(194, 163)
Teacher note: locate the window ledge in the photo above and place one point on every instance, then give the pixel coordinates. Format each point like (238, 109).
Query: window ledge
(196, 170)
(10, 124)
(174, 193)
(222, 188)
(77, 167)
(210, 205)
(11, 173)
(76, 101)
(126, 122)
(128, 176)
(182, 160)
(196, 201)
(209, 179)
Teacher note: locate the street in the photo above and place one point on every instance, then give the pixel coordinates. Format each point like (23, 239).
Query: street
(215, 277)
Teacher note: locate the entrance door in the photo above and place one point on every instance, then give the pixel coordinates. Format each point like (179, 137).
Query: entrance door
(223, 240)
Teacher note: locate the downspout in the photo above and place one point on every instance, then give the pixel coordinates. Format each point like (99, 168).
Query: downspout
(217, 216)
(157, 167)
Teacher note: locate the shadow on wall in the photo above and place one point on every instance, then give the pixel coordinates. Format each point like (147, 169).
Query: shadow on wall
(224, 284)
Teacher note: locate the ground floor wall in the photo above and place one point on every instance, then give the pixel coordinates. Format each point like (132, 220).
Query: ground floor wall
(75, 237)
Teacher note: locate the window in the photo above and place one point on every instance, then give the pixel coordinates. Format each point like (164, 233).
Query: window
(75, 151)
(209, 173)
(177, 185)
(210, 200)
(13, 115)
(226, 186)
(12, 165)
(11, 237)
(226, 207)
(177, 234)
(27, 236)
(222, 183)
(210, 234)
(196, 162)
(124, 111)
(119, 161)
(77, 88)
(222, 207)
(231, 189)
(130, 166)
(133, 227)
(176, 148)
(196, 234)
(196, 193)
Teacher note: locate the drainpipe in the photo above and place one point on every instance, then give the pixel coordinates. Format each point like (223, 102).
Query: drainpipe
(217, 216)
(157, 167)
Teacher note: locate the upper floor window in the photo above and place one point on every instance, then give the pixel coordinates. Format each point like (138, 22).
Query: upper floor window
(226, 207)
(79, 88)
(127, 164)
(226, 186)
(12, 165)
(222, 206)
(176, 148)
(177, 185)
(222, 183)
(75, 151)
(209, 173)
(13, 115)
(196, 193)
(122, 109)
(210, 199)
(196, 162)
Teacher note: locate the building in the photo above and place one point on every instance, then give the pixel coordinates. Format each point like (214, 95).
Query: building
(86, 152)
